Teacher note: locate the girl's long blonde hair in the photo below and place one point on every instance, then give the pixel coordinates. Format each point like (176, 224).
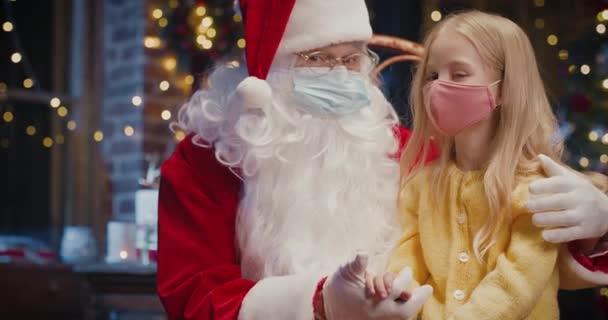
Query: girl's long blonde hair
(526, 122)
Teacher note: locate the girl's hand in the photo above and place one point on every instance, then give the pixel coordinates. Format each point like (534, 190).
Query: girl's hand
(380, 287)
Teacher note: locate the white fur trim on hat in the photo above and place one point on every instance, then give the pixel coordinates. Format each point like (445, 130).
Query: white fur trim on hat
(574, 276)
(318, 23)
(254, 93)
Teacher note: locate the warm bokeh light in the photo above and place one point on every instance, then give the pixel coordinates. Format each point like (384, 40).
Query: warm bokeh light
(189, 79)
(62, 111)
(98, 136)
(55, 102)
(47, 142)
(166, 115)
(8, 116)
(71, 125)
(200, 11)
(152, 42)
(593, 136)
(7, 26)
(16, 57)
(164, 85)
(163, 22)
(136, 101)
(170, 63)
(28, 83)
(129, 131)
(30, 130)
(436, 16)
(157, 13)
(180, 135)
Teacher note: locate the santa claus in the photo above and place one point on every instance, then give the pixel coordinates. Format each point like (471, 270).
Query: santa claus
(290, 170)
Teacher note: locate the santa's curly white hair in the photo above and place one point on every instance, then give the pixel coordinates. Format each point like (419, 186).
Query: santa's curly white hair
(316, 189)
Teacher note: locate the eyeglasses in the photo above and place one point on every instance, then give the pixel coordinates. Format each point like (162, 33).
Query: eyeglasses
(322, 62)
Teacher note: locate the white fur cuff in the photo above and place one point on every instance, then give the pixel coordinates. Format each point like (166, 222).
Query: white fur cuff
(575, 276)
(286, 297)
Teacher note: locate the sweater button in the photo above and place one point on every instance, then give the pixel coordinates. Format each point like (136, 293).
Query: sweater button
(463, 257)
(461, 218)
(459, 295)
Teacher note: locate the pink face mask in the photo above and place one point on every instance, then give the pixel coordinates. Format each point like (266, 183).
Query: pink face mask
(453, 107)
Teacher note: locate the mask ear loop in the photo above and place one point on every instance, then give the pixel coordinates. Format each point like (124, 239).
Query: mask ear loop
(491, 96)
(495, 82)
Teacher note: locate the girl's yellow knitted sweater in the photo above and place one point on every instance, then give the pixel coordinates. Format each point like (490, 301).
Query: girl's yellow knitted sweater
(518, 278)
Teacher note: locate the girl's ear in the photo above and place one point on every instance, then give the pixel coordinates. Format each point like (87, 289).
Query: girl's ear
(498, 94)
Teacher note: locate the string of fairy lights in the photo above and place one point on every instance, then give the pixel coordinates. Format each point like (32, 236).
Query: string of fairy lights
(200, 20)
(203, 35)
(29, 82)
(596, 135)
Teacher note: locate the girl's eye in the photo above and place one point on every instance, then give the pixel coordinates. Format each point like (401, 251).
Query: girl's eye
(460, 75)
(431, 76)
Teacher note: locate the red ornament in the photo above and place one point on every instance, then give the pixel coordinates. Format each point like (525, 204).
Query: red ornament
(580, 103)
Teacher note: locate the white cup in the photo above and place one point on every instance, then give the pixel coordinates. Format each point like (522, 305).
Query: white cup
(121, 242)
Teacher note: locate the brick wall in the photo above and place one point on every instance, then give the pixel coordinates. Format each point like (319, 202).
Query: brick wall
(124, 69)
(131, 69)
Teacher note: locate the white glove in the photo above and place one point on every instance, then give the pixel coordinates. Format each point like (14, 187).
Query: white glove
(345, 297)
(570, 203)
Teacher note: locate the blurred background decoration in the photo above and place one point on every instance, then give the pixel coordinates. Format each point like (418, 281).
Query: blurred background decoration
(88, 90)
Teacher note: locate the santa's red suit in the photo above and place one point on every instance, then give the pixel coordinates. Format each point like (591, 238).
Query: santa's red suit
(251, 213)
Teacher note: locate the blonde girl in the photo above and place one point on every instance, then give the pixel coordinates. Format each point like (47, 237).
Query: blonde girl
(477, 95)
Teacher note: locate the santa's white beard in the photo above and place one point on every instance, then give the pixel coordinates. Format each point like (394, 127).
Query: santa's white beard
(316, 190)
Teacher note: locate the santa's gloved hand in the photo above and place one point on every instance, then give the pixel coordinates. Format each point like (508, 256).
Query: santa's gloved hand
(345, 297)
(569, 203)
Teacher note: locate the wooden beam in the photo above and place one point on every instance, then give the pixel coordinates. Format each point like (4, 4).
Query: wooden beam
(78, 153)
(99, 210)
(36, 96)
(58, 152)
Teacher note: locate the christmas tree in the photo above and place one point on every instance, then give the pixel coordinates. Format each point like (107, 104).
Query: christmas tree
(583, 109)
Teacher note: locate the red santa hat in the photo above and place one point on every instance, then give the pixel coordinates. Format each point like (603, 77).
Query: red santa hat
(278, 28)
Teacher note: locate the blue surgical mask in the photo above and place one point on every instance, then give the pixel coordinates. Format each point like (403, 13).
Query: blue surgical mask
(337, 92)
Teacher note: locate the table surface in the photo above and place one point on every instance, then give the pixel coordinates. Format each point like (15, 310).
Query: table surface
(89, 291)
(116, 268)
